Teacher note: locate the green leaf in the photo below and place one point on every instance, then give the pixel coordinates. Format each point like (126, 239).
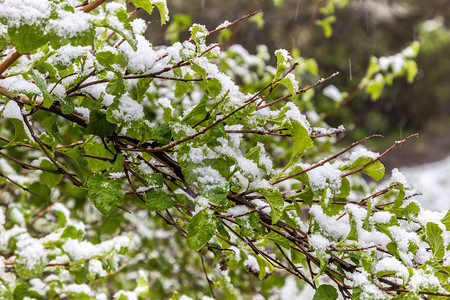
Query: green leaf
(283, 58)
(214, 87)
(161, 133)
(290, 83)
(353, 234)
(79, 269)
(201, 229)
(325, 292)
(72, 232)
(375, 170)
(42, 85)
(411, 70)
(278, 239)
(98, 125)
(157, 200)
(21, 290)
(180, 88)
(375, 87)
(12, 113)
(97, 150)
(435, 239)
(27, 38)
(326, 25)
(141, 88)
(198, 33)
(116, 86)
(105, 194)
(50, 179)
(110, 60)
(373, 67)
(145, 4)
(197, 114)
(27, 267)
(446, 220)
(412, 210)
(302, 142)
(163, 11)
(345, 188)
(276, 202)
(52, 127)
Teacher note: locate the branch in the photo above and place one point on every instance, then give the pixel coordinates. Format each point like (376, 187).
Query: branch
(17, 184)
(321, 163)
(299, 91)
(380, 156)
(42, 146)
(9, 61)
(93, 5)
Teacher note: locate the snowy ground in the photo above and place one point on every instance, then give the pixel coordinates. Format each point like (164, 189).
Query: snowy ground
(433, 180)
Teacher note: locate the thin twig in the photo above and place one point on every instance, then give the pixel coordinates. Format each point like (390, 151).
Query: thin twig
(206, 276)
(321, 163)
(299, 91)
(397, 143)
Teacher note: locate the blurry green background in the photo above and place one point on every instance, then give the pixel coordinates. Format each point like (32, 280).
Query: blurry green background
(362, 29)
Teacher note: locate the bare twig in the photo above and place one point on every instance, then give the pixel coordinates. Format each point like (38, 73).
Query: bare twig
(397, 143)
(321, 163)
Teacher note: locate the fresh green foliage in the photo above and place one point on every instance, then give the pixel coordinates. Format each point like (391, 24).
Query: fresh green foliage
(124, 153)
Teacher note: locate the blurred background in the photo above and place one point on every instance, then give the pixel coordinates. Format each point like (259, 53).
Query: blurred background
(356, 30)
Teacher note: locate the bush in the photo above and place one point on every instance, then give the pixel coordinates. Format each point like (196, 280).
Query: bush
(172, 152)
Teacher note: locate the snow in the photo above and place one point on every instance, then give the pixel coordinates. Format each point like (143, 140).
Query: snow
(421, 281)
(398, 177)
(12, 111)
(95, 267)
(381, 217)
(319, 242)
(78, 289)
(294, 82)
(38, 286)
(392, 264)
(433, 24)
(83, 111)
(117, 175)
(29, 12)
(335, 229)
(68, 53)
(211, 178)
(165, 102)
(61, 208)
(31, 250)
(139, 26)
(285, 54)
(327, 131)
(127, 295)
(238, 210)
(324, 176)
(251, 264)
(84, 250)
(295, 114)
(141, 60)
(201, 33)
(433, 181)
(361, 151)
(70, 24)
(332, 92)
(19, 85)
(128, 110)
(370, 291)
(223, 25)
